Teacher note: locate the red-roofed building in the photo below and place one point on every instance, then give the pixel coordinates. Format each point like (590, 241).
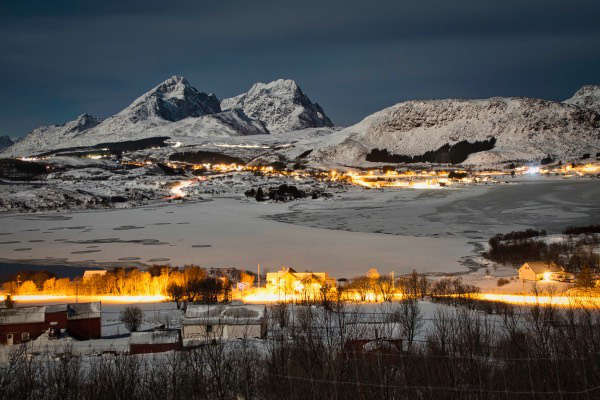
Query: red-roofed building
(22, 324)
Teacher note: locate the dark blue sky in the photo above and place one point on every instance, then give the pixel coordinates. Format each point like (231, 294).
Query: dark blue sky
(63, 58)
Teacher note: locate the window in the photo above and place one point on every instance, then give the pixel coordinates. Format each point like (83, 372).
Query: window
(24, 336)
(208, 328)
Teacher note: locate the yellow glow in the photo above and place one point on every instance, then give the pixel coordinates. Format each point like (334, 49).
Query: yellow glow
(33, 298)
(177, 190)
(523, 299)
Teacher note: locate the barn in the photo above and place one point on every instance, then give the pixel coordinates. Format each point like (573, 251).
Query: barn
(204, 323)
(538, 270)
(20, 325)
(84, 320)
(154, 341)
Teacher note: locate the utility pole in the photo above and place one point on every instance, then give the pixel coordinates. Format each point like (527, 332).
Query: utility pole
(258, 275)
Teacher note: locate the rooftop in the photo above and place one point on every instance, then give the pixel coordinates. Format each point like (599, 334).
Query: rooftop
(231, 314)
(22, 315)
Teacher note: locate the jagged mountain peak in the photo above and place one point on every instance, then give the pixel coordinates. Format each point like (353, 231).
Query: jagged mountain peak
(281, 105)
(588, 96)
(281, 84)
(172, 100)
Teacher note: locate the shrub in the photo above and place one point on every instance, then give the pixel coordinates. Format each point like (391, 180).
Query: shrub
(503, 281)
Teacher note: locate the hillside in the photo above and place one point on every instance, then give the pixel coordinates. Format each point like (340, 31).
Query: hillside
(484, 131)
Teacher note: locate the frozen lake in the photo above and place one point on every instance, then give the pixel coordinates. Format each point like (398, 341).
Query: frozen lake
(426, 230)
(223, 232)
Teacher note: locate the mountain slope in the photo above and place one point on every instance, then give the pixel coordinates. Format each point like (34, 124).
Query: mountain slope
(226, 123)
(5, 142)
(522, 128)
(588, 97)
(281, 105)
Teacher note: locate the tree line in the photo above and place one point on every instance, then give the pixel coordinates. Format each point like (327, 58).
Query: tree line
(576, 252)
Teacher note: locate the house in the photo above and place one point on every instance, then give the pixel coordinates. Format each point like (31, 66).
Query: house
(20, 325)
(204, 323)
(289, 282)
(84, 320)
(154, 341)
(538, 270)
(91, 274)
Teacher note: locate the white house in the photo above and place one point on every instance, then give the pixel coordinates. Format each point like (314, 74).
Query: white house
(204, 323)
(92, 273)
(539, 270)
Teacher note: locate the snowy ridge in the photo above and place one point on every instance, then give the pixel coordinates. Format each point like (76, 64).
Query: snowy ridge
(588, 97)
(5, 142)
(523, 128)
(52, 136)
(281, 105)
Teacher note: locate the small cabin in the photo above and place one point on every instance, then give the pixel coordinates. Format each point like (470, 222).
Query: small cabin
(539, 270)
(205, 323)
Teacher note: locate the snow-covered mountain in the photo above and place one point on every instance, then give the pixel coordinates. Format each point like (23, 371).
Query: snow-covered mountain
(281, 105)
(5, 141)
(588, 97)
(172, 108)
(514, 128)
(172, 100)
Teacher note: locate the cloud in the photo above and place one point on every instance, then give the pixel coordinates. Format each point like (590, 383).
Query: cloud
(62, 58)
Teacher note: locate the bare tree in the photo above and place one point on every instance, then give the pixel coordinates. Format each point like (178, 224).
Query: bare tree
(385, 287)
(410, 318)
(132, 318)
